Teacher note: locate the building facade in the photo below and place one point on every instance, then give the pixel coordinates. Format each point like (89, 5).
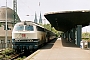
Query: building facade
(10, 21)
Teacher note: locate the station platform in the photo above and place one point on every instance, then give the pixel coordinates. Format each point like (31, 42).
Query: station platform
(59, 49)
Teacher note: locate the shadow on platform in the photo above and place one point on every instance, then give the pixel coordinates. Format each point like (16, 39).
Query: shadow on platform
(50, 44)
(68, 44)
(63, 42)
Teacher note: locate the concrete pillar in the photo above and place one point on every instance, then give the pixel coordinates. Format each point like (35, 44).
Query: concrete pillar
(64, 35)
(67, 36)
(78, 34)
(73, 34)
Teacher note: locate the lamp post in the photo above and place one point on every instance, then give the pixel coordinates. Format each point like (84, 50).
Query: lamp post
(6, 28)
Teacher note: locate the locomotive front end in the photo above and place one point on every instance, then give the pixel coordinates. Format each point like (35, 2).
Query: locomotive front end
(24, 37)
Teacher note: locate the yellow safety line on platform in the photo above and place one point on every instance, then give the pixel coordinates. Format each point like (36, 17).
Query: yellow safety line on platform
(32, 55)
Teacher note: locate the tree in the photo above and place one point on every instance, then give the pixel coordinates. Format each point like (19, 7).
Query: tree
(86, 36)
(48, 27)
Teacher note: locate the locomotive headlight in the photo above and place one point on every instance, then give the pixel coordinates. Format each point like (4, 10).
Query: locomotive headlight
(36, 45)
(35, 41)
(23, 47)
(31, 40)
(18, 40)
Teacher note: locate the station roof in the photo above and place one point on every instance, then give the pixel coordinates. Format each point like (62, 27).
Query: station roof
(10, 16)
(66, 20)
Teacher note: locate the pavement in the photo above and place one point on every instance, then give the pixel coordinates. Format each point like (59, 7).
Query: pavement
(59, 49)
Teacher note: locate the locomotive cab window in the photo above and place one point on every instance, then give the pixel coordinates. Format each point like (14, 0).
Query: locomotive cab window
(29, 28)
(19, 28)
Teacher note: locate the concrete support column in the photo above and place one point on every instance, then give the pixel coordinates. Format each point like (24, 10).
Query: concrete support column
(73, 35)
(78, 34)
(67, 36)
(62, 34)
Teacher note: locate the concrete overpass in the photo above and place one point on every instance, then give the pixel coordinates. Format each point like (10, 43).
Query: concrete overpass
(70, 22)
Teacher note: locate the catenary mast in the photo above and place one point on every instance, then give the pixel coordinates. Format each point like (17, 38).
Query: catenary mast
(15, 11)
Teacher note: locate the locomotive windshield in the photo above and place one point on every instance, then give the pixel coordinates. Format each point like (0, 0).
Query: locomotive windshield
(19, 28)
(29, 28)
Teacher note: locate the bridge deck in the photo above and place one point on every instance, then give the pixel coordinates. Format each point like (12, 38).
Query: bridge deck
(60, 50)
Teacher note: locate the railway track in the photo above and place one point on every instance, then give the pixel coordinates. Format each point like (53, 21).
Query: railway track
(17, 55)
(22, 55)
(8, 54)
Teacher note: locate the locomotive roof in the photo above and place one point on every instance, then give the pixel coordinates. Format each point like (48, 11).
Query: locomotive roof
(29, 23)
(32, 23)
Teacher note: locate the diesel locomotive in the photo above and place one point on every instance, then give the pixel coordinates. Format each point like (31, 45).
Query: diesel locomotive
(27, 36)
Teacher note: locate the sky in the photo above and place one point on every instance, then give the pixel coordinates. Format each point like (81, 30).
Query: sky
(29, 7)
